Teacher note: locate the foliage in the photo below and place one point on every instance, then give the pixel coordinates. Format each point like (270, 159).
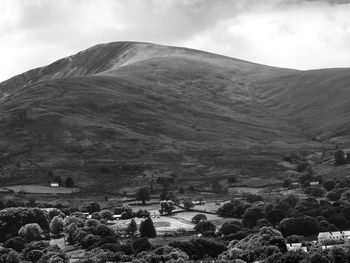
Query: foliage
(339, 157)
(31, 232)
(106, 214)
(234, 208)
(69, 182)
(16, 243)
(91, 207)
(166, 207)
(197, 218)
(252, 215)
(204, 226)
(200, 248)
(147, 228)
(56, 225)
(132, 227)
(141, 244)
(143, 195)
(188, 204)
(231, 227)
(12, 219)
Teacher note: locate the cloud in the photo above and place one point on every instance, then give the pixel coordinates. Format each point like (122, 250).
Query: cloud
(289, 33)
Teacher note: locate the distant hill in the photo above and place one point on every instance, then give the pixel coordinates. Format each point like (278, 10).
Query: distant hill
(121, 111)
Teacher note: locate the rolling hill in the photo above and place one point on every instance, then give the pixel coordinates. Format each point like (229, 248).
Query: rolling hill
(121, 111)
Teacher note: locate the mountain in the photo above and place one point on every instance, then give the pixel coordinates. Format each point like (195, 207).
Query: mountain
(121, 111)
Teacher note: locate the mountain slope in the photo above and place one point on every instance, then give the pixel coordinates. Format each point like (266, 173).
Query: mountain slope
(115, 111)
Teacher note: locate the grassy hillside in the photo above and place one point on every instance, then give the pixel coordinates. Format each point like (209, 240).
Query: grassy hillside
(115, 113)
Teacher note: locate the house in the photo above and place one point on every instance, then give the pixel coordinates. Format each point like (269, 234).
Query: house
(333, 236)
(54, 184)
(314, 183)
(296, 247)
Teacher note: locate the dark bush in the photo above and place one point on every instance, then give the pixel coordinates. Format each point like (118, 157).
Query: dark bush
(197, 218)
(141, 244)
(16, 243)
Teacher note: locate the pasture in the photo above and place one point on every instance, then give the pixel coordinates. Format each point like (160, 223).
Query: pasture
(41, 189)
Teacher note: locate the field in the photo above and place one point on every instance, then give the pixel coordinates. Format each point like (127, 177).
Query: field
(162, 224)
(40, 189)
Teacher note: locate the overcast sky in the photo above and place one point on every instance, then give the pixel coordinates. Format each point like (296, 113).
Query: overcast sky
(302, 34)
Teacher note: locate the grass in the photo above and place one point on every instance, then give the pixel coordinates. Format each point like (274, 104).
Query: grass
(40, 189)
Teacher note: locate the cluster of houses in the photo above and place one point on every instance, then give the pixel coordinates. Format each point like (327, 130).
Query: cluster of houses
(324, 239)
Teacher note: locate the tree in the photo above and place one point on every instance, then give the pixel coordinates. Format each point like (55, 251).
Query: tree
(197, 218)
(13, 219)
(287, 183)
(232, 179)
(131, 228)
(329, 185)
(69, 182)
(58, 179)
(106, 214)
(205, 226)
(234, 208)
(143, 195)
(231, 227)
(141, 244)
(147, 228)
(251, 215)
(339, 157)
(275, 216)
(163, 195)
(92, 207)
(188, 204)
(16, 243)
(31, 232)
(252, 198)
(166, 207)
(56, 226)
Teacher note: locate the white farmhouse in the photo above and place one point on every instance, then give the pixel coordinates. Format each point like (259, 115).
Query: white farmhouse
(333, 236)
(296, 247)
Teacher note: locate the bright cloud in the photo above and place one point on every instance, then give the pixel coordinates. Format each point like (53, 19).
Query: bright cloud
(287, 33)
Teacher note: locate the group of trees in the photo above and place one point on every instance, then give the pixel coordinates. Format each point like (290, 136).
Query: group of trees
(340, 157)
(292, 215)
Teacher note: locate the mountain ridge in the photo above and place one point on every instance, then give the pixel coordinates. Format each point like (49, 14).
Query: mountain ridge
(129, 108)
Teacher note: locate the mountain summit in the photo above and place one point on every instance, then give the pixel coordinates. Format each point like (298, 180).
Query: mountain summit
(120, 110)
